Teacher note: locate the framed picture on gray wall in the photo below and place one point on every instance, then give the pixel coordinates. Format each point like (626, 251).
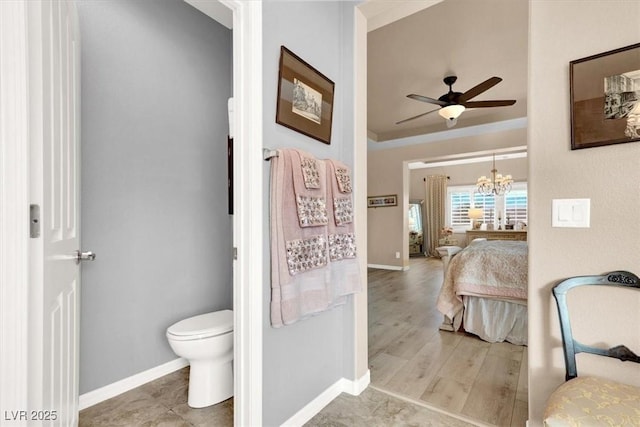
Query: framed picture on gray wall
(305, 98)
(605, 98)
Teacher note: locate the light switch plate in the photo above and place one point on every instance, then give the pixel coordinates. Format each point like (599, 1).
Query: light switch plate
(573, 213)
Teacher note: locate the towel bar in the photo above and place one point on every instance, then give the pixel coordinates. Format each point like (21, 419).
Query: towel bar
(268, 154)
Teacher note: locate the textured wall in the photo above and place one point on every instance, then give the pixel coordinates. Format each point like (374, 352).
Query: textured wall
(562, 31)
(156, 76)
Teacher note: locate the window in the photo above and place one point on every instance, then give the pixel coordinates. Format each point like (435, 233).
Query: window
(487, 204)
(461, 198)
(516, 206)
(459, 204)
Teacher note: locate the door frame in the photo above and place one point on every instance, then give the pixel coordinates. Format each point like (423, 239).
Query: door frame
(248, 210)
(14, 205)
(15, 196)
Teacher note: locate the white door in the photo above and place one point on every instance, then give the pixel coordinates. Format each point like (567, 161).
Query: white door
(55, 111)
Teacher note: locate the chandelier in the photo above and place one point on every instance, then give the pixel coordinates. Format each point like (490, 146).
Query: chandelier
(496, 185)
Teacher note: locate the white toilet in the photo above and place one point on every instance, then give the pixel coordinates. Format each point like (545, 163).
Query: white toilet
(206, 341)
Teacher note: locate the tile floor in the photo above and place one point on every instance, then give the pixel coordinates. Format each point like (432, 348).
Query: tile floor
(163, 402)
(375, 408)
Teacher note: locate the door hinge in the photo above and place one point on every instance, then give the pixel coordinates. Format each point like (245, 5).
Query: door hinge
(235, 254)
(34, 221)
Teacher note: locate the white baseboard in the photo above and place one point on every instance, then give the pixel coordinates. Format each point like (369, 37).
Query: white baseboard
(388, 267)
(112, 390)
(354, 387)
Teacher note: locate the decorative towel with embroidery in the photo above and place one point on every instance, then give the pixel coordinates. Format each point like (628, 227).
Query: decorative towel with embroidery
(309, 188)
(343, 265)
(303, 210)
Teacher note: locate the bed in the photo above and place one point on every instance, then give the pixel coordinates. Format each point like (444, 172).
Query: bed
(485, 289)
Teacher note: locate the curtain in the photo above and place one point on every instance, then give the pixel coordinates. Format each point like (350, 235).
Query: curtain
(436, 192)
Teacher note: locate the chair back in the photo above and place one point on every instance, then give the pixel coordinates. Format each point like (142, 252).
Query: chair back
(572, 347)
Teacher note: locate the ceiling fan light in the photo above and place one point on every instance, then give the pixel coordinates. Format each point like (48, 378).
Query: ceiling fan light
(451, 112)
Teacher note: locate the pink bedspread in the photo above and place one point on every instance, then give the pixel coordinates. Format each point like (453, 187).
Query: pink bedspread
(493, 268)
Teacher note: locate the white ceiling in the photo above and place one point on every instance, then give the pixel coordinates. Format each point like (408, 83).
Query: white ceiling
(472, 39)
(382, 12)
(215, 10)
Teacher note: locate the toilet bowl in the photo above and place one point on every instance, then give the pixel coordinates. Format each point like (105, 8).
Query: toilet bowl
(206, 341)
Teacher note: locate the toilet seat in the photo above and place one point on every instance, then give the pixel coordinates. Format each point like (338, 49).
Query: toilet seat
(202, 326)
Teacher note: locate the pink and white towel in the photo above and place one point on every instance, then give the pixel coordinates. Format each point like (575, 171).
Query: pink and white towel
(313, 263)
(343, 264)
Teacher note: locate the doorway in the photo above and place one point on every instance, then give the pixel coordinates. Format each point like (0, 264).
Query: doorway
(153, 178)
(247, 107)
(22, 382)
(389, 355)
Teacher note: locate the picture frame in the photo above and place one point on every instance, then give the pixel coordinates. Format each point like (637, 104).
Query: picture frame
(305, 98)
(605, 98)
(382, 201)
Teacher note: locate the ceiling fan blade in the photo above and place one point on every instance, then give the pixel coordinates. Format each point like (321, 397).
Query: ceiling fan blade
(415, 117)
(427, 99)
(485, 104)
(477, 90)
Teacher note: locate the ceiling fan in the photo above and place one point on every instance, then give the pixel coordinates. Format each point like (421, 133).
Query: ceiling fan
(452, 104)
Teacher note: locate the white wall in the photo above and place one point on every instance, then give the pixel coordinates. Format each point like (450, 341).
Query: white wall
(561, 31)
(156, 76)
(302, 360)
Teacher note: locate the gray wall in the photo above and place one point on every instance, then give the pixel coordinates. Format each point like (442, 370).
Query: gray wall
(156, 76)
(300, 361)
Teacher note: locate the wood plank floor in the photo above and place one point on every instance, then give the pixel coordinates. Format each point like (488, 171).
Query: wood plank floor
(456, 372)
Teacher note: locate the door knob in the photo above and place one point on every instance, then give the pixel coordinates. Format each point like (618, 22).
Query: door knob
(84, 256)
